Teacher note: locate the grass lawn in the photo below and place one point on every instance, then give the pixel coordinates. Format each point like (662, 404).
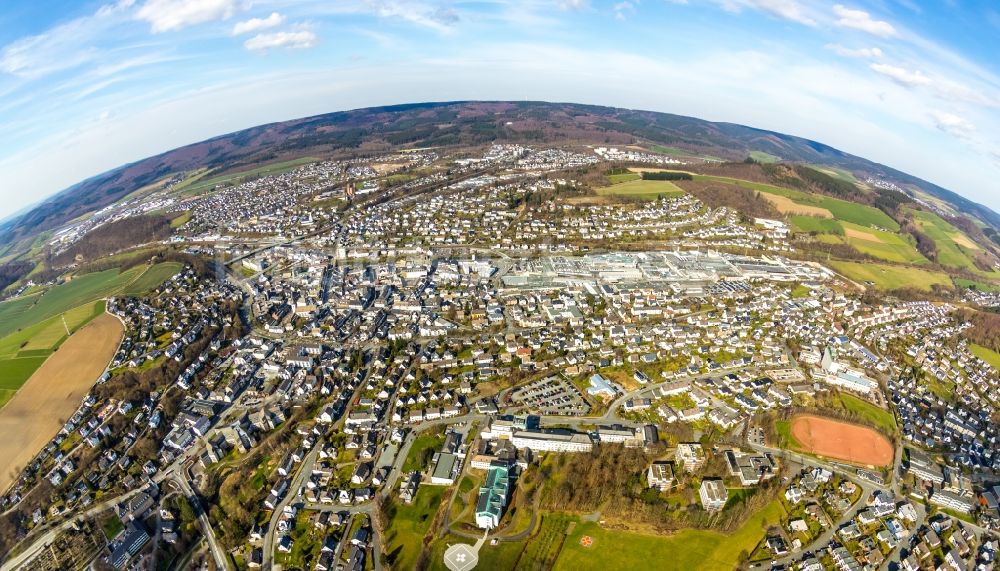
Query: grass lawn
(687, 550)
(645, 189)
(408, 524)
(986, 354)
(421, 452)
(800, 291)
(816, 224)
(112, 526)
(870, 413)
(5, 396)
(783, 428)
(891, 277)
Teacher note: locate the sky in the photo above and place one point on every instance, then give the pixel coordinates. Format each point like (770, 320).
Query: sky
(88, 86)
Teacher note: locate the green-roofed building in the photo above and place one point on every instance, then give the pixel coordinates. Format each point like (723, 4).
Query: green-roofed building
(494, 495)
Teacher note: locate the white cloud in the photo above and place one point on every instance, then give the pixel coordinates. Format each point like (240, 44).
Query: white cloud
(573, 4)
(861, 20)
(623, 7)
(430, 16)
(61, 47)
(169, 15)
(292, 40)
(865, 53)
(901, 75)
(952, 124)
(258, 24)
(786, 9)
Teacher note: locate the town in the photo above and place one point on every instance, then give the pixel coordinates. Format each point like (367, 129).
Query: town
(362, 362)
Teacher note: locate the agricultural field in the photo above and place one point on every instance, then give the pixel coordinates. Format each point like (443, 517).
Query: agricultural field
(623, 177)
(954, 247)
(816, 224)
(23, 352)
(891, 277)
(644, 189)
(24, 311)
(809, 204)
(153, 277)
(53, 392)
(687, 550)
(887, 246)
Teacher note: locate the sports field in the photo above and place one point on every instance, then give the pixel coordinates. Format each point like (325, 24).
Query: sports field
(36, 413)
(645, 189)
(687, 550)
(841, 440)
(869, 413)
(891, 277)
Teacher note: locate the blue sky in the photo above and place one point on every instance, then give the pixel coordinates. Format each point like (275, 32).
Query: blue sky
(912, 84)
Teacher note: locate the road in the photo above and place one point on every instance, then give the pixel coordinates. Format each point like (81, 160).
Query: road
(221, 560)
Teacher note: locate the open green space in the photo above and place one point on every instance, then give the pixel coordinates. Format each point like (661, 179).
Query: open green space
(21, 312)
(623, 177)
(14, 372)
(869, 413)
(644, 189)
(24, 351)
(408, 523)
(687, 550)
(679, 152)
(181, 219)
(112, 526)
(975, 284)
(762, 157)
(986, 354)
(153, 277)
(422, 451)
(783, 430)
(835, 172)
(891, 277)
(953, 246)
(842, 210)
(888, 246)
(816, 224)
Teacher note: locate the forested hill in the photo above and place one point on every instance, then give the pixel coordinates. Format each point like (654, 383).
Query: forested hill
(457, 123)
